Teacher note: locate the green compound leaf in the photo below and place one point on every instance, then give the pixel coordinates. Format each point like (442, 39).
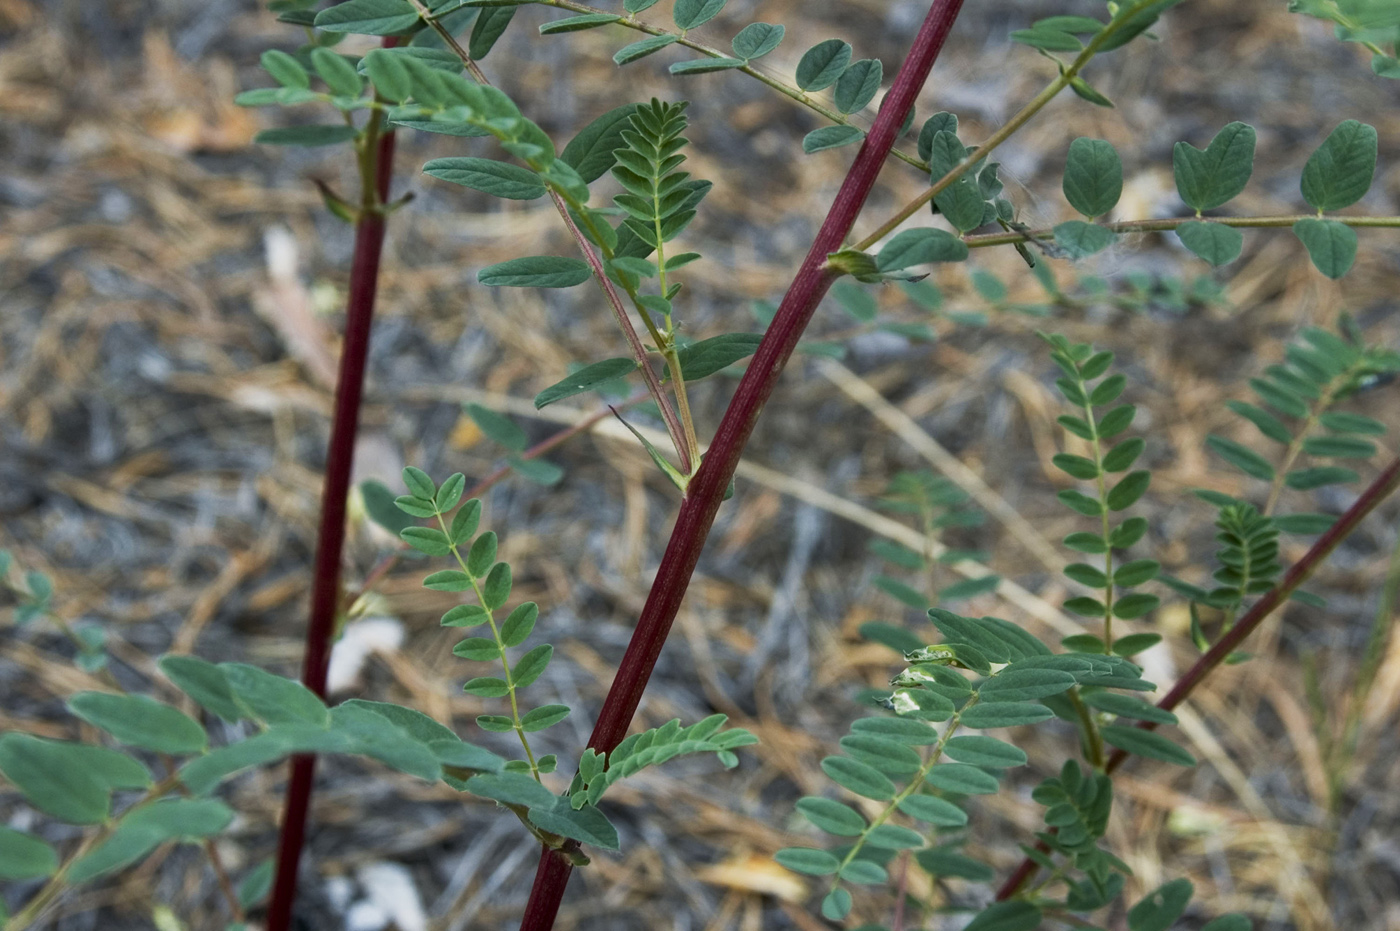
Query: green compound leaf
(1150, 744)
(1213, 242)
(962, 779)
(1241, 457)
(757, 39)
(1331, 245)
(1161, 907)
(830, 137)
(307, 136)
(808, 861)
(832, 816)
(858, 778)
(706, 65)
(984, 751)
(936, 811)
(1093, 180)
(1080, 239)
(369, 17)
(644, 47)
(823, 64)
(140, 722)
(920, 247)
(1004, 714)
(591, 152)
(858, 85)
(691, 13)
(708, 356)
(488, 176)
(578, 23)
(1210, 178)
(25, 857)
(537, 271)
(1006, 916)
(1340, 172)
(204, 682)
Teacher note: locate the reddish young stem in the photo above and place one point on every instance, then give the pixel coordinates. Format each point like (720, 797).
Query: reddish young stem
(707, 488)
(1297, 574)
(330, 541)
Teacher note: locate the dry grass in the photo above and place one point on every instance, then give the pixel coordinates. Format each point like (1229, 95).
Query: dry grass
(167, 312)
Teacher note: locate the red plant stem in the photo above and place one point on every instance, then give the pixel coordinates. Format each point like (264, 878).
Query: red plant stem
(330, 541)
(1297, 574)
(706, 491)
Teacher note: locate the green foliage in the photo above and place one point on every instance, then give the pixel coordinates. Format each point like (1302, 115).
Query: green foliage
(1207, 179)
(1093, 180)
(1087, 385)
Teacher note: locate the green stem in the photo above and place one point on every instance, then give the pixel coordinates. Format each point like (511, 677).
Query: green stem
(1163, 225)
(500, 646)
(1093, 740)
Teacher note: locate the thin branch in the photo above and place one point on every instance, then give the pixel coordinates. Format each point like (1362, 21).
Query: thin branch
(1171, 223)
